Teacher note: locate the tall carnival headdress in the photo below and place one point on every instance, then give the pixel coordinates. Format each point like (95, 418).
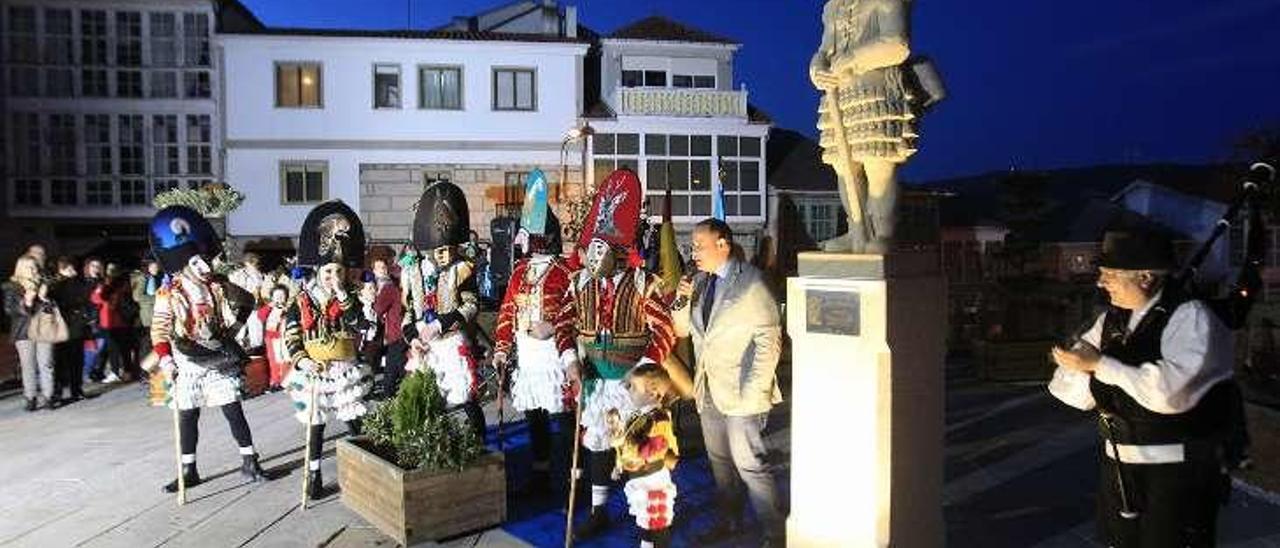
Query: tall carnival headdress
(332, 233)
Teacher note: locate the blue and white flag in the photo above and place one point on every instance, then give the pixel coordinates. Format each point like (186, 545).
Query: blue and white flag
(717, 200)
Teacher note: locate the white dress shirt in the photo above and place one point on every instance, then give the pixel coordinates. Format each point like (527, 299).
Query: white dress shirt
(1197, 352)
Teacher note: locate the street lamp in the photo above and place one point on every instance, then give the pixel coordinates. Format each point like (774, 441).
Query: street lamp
(581, 132)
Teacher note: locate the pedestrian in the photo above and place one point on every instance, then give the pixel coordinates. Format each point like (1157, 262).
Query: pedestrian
(388, 309)
(25, 296)
(145, 284)
(1157, 367)
(72, 296)
(265, 331)
(91, 275)
(248, 276)
(532, 328)
(37, 252)
(734, 323)
(114, 320)
(192, 335)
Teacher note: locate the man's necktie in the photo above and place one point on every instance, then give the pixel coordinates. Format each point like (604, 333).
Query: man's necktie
(708, 300)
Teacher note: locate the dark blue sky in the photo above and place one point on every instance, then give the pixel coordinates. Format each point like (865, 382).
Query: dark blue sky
(1032, 83)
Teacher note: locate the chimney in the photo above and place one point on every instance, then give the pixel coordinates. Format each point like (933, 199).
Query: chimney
(571, 21)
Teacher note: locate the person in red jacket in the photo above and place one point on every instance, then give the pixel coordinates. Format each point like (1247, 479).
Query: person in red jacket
(388, 311)
(265, 330)
(109, 298)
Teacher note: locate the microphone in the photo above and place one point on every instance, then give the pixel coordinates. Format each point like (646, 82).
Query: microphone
(683, 300)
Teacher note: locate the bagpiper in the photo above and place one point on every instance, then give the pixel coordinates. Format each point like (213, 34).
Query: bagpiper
(193, 335)
(622, 321)
(322, 332)
(531, 323)
(441, 292)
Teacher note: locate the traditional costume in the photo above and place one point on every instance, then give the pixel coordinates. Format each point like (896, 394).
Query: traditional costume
(441, 292)
(622, 320)
(265, 330)
(322, 330)
(647, 451)
(531, 322)
(193, 334)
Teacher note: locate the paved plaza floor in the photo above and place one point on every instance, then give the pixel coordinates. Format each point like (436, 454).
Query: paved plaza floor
(1020, 472)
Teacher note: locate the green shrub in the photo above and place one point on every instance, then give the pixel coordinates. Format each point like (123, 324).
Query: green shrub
(416, 430)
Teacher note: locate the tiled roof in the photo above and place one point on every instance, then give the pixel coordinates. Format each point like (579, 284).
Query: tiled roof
(662, 29)
(477, 36)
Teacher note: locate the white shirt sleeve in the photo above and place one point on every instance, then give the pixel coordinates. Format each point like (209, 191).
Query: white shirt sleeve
(1072, 387)
(1197, 353)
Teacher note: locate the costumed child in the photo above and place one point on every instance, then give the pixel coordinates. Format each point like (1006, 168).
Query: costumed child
(193, 331)
(265, 330)
(647, 452)
(322, 332)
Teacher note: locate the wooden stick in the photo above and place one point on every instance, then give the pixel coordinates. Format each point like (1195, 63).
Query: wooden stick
(177, 446)
(502, 378)
(842, 142)
(574, 471)
(306, 456)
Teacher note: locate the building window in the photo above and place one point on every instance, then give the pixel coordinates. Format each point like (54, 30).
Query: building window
(133, 192)
(62, 144)
(128, 83)
(196, 84)
(130, 145)
(27, 144)
(195, 39)
(386, 86)
(515, 89)
(298, 85)
(741, 181)
(58, 82)
(821, 219)
(440, 88)
(164, 40)
(128, 39)
(57, 37)
(199, 144)
(24, 81)
(693, 81)
(303, 182)
(165, 185)
(164, 84)
(64, 192)
(28, 192)
(164, 145)
(93, 37)
(644, 78)
(97, 144)
(22, 45)
(93, 83)
(513, 193)
(98, 193)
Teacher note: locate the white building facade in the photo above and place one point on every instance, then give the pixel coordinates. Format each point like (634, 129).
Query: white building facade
(106, 103)
(671, 113)
(371, 118)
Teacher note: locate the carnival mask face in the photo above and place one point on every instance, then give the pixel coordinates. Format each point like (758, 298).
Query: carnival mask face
(279, 298)
(442, 256)
(334, 229)
(198, 268)
(521, 242)
(329, 276)
(601, 260)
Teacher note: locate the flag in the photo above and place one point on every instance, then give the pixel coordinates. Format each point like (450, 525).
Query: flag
(717, 200)
(669, 259)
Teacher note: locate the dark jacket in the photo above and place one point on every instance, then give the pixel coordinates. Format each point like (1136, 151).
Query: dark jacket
(72, 298)
(18, 312)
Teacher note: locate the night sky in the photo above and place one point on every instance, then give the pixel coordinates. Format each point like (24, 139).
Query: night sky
(1033, 83)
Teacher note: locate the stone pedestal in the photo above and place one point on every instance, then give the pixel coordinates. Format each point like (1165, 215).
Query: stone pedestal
(868, 344)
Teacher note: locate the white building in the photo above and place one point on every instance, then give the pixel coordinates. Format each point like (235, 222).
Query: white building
(371, 117)
(105, 103)
(669, 110)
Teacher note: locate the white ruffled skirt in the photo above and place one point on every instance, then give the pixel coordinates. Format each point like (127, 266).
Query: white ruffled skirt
(604, 395)
(539, 380)
(198, 386)
(340, 391)
(449, 358)
(652, 500)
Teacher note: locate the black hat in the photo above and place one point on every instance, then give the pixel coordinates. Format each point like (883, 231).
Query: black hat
(332, 233)
(1141, 250)
(442, 217)
(179, 233)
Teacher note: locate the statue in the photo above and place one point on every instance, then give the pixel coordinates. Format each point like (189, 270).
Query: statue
(873, 95)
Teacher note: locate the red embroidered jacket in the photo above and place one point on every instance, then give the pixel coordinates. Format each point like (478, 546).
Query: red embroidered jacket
(555, 291)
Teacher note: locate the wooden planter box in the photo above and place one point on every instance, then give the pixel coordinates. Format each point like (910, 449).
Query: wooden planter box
(412, 506)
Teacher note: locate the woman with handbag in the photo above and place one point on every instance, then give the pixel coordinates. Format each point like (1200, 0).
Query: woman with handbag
(34, 320)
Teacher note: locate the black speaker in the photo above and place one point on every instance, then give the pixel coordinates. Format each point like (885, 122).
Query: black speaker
(502, 232)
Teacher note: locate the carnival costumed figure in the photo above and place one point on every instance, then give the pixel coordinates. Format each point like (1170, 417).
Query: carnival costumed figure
(622, 321)
(322, 331)
(441, 293)
(193, 335)
(647, 451)
(265, 330)
(532, 327)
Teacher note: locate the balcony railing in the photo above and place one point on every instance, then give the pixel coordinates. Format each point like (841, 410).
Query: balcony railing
(682, 102)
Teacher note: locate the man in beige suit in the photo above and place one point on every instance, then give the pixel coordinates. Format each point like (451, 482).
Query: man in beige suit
(737, 338)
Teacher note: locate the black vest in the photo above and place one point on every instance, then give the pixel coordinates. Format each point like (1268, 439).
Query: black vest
(1134, 423)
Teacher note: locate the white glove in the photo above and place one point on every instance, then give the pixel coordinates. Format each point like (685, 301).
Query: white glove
(310, 366)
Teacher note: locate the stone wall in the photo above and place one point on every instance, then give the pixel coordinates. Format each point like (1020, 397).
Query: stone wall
(388, 192)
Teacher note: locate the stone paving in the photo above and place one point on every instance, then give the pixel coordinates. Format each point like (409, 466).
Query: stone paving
(1020, 472)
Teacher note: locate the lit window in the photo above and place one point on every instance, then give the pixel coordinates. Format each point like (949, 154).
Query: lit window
(298, 85)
